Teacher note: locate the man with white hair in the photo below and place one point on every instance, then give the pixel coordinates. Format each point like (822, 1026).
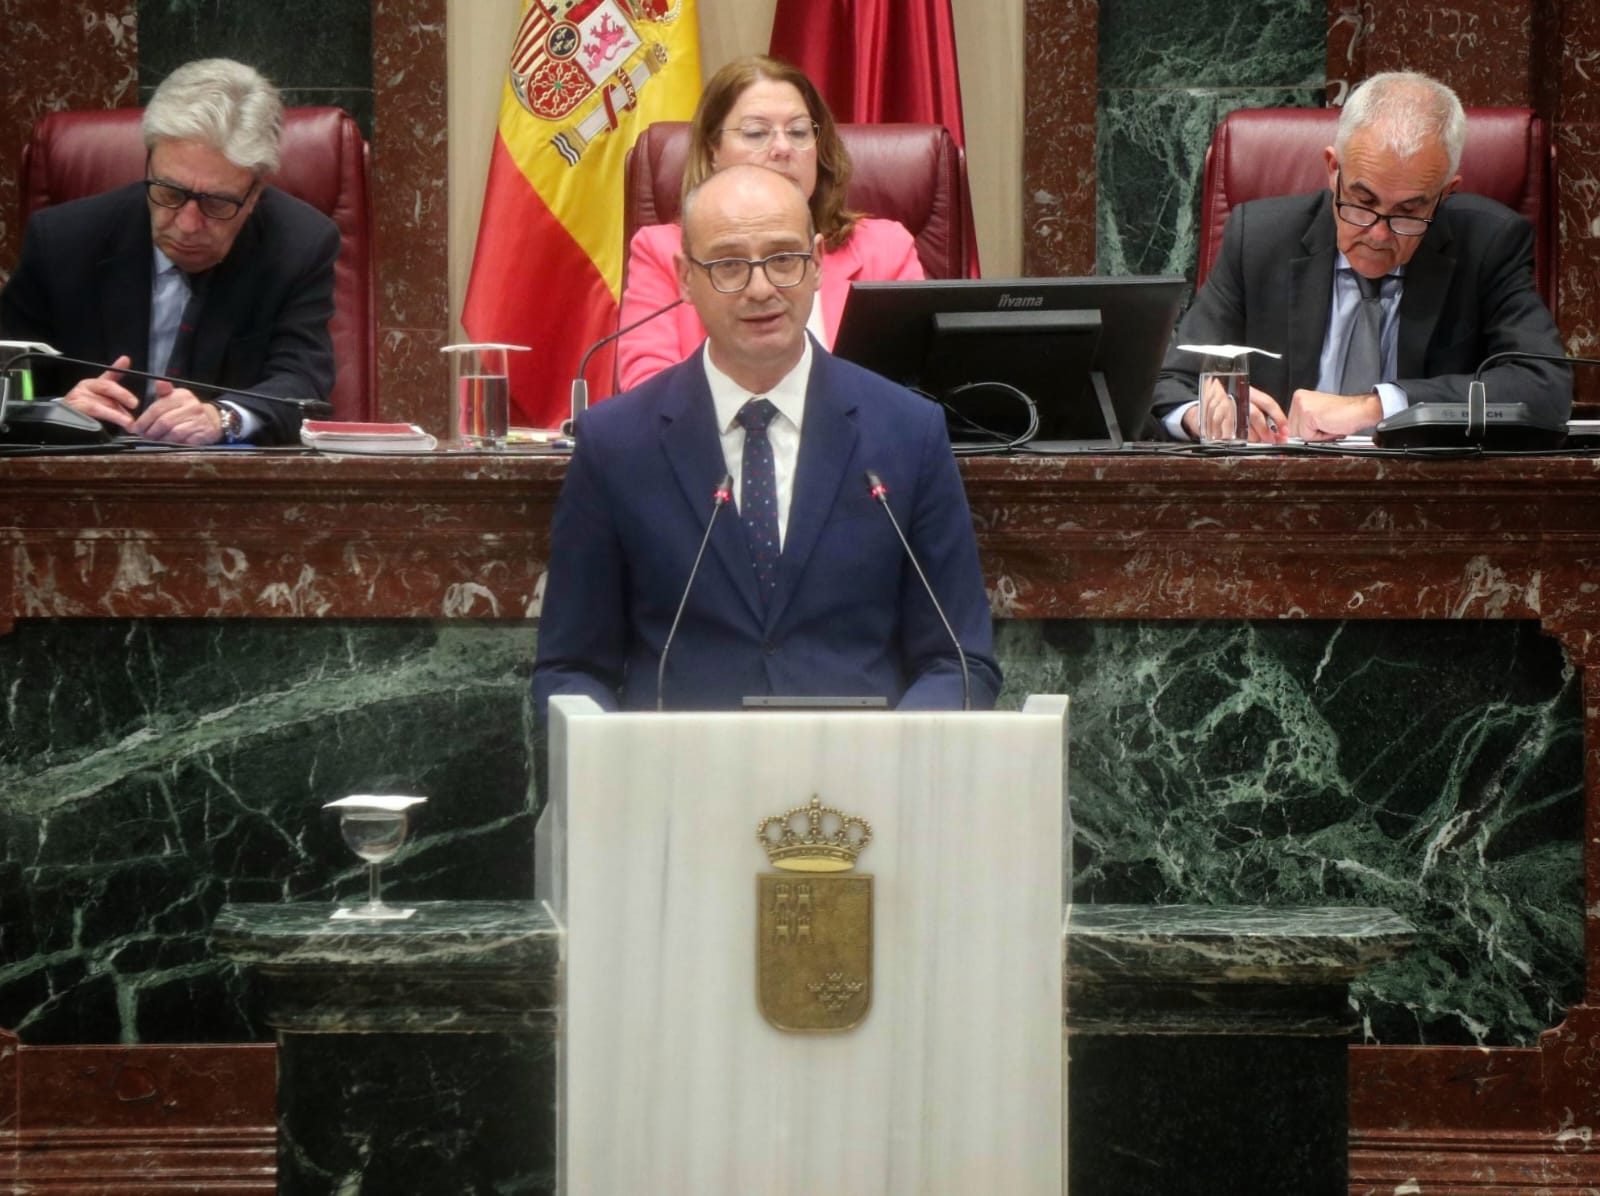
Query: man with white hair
(200, 271)
(1385, 290)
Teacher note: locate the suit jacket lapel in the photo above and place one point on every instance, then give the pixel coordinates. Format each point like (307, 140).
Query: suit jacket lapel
(692, 443)
(827, 447)
(124, 284)
(1427, 278)
(1310, 294)
(228, 299)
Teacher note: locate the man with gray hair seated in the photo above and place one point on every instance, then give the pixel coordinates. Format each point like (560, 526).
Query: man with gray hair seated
(199, 271)
(1385, 290)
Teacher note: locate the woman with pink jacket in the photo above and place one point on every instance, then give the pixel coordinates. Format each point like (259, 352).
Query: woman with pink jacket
(758, 109)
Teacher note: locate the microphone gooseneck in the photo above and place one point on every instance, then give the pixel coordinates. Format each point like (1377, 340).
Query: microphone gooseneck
(1478, 392)
(45, 353)
(720, 497)
(580, 385)
(880, 492)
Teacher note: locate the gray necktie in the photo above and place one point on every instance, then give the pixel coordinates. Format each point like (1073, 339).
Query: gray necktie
(1363, 356)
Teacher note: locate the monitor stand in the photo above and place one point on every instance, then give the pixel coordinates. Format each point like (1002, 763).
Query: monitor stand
(1110, 443)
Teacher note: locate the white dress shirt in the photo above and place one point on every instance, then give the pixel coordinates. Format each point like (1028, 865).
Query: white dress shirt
(789, 397)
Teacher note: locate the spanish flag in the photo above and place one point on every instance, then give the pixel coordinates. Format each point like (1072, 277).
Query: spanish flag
(585, 77)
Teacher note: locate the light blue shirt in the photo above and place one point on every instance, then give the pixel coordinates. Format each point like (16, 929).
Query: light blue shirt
(1341, 319)
(169, 295)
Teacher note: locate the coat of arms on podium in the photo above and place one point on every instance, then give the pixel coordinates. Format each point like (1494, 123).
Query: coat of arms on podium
(814, 926)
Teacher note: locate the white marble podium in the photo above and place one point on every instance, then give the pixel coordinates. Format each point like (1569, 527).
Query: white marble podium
(671, 1079)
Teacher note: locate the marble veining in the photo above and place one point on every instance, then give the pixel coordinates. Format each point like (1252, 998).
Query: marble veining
(1151, 151)
(1433, 769)
(1167, 75)
(410, 191)
(441, 934)
(1279, 945)
(1058, 149)
(100, 72)
(152, 772)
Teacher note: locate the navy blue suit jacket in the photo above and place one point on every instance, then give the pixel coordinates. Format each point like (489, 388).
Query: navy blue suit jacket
(848, 616)
(83, 286)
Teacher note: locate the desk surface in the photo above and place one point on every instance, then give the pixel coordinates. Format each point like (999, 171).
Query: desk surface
(1127, 536)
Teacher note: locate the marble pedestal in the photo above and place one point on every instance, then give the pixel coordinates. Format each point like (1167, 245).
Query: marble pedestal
(1207, 1046)
(414, 1057)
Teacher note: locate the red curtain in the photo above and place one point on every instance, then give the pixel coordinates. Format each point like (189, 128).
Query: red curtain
(877, 61)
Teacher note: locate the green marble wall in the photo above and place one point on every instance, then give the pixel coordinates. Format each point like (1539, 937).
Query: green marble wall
(1168, 74)
(1433, 768)
(152, 771)
(316, 51)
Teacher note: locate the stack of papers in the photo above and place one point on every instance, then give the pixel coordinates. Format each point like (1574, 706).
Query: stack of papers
(344, 436)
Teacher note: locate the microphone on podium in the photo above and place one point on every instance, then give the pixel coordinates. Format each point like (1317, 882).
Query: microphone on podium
(720, 497)
(580, 385)
(881, 492)
(51, 421)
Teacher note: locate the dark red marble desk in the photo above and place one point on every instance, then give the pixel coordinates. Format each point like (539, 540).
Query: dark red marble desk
(297, 537)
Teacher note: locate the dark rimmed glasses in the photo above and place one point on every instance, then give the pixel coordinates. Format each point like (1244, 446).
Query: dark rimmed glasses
(1353, 213)
(213, 207)
(730, 275)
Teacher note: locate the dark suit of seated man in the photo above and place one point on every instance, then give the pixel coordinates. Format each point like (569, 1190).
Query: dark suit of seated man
(1451, 276)
(200, 271)
(843, 613)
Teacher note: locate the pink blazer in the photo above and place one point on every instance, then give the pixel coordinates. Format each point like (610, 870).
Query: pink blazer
(877, 250)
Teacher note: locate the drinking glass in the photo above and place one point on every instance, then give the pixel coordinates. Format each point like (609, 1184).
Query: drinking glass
(1225, 401)
(374, 828)
(481, 388)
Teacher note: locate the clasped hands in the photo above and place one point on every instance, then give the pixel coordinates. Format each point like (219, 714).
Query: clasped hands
(1313, 415)
(176, 416)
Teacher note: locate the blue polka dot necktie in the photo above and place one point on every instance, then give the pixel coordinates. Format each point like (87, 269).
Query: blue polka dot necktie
(758, 494)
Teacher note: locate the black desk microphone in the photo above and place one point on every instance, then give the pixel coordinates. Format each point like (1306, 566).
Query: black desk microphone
(720, 497)
(580, 385)
(881, 492)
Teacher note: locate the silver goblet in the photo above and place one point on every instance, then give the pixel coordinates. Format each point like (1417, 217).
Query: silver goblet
(374, 827)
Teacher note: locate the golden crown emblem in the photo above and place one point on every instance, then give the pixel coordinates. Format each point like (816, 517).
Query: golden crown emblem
(813, 838)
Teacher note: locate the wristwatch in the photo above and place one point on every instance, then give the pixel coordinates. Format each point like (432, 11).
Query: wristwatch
(232, 423)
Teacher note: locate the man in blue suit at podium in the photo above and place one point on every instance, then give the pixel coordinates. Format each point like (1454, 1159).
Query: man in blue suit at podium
(804, 589)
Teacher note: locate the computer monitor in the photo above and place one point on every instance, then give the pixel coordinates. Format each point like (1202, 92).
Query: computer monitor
(1085, 350)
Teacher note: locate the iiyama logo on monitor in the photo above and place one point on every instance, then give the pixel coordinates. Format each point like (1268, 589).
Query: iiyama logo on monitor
(1008, 300)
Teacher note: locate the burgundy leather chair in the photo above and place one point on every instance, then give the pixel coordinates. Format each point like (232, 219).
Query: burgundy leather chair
(324, 162)
(915, 174)
(1259, 152)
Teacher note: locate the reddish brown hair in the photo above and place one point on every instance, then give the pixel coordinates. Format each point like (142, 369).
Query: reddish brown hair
(723, 90)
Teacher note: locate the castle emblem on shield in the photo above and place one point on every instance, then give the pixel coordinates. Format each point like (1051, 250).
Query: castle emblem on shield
(587, 59)
(814, 925)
